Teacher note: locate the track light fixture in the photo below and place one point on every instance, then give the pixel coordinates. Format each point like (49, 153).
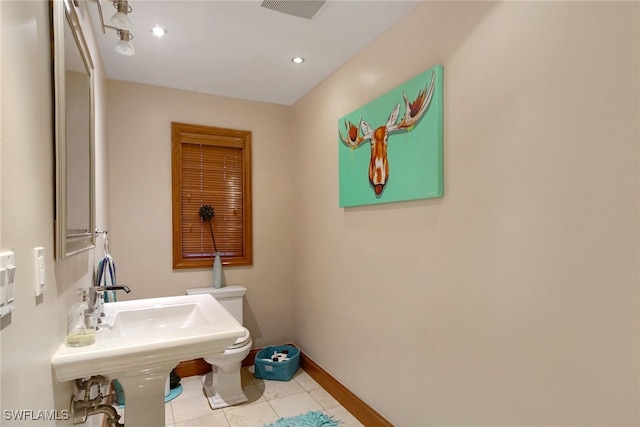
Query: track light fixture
(124, 46)
(122, 24)
(120, 18)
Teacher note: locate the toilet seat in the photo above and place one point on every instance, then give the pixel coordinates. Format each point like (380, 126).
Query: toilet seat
(240, 342)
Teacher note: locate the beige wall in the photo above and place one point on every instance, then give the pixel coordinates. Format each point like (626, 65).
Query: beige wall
(513, 300)
(38, 325)
(140, 119)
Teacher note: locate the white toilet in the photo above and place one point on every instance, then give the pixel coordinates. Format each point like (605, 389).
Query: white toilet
(222, 385)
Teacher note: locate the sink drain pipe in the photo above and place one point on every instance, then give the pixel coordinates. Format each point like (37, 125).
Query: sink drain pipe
(82, 409)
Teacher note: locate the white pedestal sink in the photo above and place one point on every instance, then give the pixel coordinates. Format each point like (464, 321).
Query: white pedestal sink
(141, 341)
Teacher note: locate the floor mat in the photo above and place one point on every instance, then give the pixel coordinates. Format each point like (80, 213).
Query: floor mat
(310, 419)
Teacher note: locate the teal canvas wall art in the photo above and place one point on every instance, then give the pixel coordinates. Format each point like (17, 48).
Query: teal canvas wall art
(390, 149)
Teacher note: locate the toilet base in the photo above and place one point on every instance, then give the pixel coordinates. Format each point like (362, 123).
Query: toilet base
(223, 389)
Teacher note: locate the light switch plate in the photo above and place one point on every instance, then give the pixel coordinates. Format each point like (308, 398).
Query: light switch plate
(38, 254)
(7, 282)
(3, 286)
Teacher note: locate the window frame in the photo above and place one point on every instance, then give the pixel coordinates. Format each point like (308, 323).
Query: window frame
(177, 131)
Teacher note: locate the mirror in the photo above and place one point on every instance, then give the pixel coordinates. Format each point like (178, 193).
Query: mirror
(74, 132)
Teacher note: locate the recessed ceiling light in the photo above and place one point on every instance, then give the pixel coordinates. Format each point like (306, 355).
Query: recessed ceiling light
(158, 31)
(297, 60)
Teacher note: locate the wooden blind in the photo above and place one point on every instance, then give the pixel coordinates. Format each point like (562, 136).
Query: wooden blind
(211, 166)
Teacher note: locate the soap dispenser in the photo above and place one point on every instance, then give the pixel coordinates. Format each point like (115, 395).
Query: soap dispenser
(81, 325)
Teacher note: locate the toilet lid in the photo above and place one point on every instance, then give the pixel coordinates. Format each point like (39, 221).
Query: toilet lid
(242, 341)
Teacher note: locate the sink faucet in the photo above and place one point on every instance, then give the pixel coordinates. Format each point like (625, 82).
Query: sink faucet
(113, 288)
(97, 296)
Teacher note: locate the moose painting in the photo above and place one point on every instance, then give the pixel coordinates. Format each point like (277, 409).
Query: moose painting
(403, 129)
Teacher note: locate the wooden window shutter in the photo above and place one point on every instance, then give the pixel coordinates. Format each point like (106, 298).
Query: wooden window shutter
(211, 166)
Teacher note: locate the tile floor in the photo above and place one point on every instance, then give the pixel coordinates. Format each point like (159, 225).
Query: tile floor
(268, 401)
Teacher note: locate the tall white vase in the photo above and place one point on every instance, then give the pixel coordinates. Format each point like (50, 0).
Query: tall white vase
(217, 271)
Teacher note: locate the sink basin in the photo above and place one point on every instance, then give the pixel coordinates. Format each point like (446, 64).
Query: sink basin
(139, 342)
(155, 320)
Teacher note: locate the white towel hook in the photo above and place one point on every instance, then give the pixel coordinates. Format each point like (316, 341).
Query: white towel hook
(105, 239)
(106, 242)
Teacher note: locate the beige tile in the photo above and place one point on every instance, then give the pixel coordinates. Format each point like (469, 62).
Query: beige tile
(285, 399)
(250, 415)
(168, 414)
(324, 398)
(217, 419)
(276, 389)
(190, 408)
(295, 404)
(191, 387)
(344, 416)
(305, 380)
(253, 394)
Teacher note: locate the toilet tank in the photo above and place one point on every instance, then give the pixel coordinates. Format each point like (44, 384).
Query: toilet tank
(230, 297)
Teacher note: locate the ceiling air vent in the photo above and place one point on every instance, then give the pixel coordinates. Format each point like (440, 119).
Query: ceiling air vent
(301, 8)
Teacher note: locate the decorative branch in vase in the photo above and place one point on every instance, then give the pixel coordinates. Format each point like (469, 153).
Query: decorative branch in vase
(206, 215)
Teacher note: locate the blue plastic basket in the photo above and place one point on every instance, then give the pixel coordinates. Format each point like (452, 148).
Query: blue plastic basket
(267, 369)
